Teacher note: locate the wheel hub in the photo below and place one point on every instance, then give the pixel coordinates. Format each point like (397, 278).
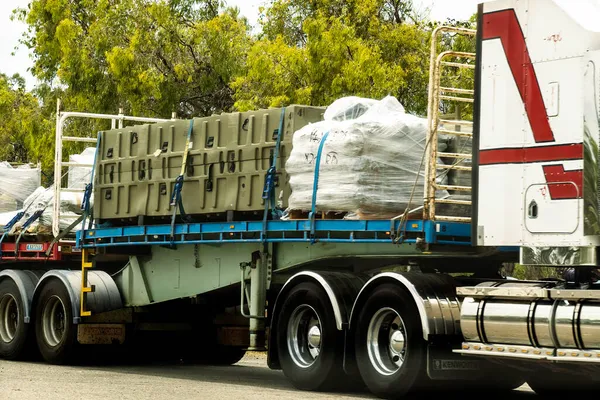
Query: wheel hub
(386, 341)
(9, 318)
(314, 336)
(53, 317)
(397, 342)
(304, 336)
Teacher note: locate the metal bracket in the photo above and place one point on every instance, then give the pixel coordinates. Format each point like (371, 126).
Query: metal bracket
(245, 296)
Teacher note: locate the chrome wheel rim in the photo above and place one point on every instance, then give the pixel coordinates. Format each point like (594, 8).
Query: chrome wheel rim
(9, 318)
(304, 336)
(53, 325)
(386, 341)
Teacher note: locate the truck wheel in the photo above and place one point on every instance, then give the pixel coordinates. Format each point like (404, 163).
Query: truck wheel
(389, 345)
(309, 344)
(14, 332)
(55, 332)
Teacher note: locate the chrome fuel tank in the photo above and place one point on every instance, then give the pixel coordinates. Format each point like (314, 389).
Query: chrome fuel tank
(531, 320)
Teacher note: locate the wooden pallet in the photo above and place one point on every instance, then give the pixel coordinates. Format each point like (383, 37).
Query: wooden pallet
(300, 214)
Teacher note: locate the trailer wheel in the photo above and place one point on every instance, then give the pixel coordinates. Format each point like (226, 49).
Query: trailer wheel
(309, 344)
(55, 332)
(389, 346)
(14, 332)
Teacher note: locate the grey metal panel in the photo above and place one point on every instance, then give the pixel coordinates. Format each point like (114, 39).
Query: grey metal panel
(189, 271)
(228, 160)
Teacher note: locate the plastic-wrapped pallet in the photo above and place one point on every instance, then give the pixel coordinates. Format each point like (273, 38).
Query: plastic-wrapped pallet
(16, 184)
(79, 176)
(43, 199)
(369, 162)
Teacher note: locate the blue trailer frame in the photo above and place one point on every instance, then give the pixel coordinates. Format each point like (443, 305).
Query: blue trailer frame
(312, 231)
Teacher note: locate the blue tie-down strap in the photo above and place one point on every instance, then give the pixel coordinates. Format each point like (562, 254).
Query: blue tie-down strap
(313, 207)
(32, 218)
(176, 200)
(14, 220)
(269, 183)
(85, 203)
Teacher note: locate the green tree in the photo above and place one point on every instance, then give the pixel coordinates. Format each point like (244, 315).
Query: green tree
(151, 57)
(25, 134)
(315, 52)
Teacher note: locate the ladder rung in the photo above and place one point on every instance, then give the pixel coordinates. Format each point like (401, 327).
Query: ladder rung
(454, 98)
(459, 65)
(452, 201)
(87, 290)
(79, 139)
(87, 265)
(455, 133)
(453, 187)
(456, 90)
(454, 155)
(69, 216)
(75, 164)
(452, 166)
(444, 218)
(456, 122)
(85, 313)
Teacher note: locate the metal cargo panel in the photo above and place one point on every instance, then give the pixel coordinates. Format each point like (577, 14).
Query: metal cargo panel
(227, 164)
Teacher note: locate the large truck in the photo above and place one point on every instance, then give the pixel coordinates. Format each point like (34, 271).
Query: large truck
(399, 305)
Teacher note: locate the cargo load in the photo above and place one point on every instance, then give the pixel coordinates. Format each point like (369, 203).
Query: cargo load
(370, 156)
(16, 184)
(228, 158)
(40, 200)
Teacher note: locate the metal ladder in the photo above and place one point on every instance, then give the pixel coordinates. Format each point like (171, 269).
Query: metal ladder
(59, 164)
(447, 125)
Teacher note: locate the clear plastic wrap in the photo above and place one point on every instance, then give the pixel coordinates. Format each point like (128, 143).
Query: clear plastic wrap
(348, 108)
(369, 165)
(41, 198)
(78, 176)
(16, 184)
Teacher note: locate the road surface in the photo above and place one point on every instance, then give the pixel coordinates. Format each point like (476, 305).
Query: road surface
(249, 379)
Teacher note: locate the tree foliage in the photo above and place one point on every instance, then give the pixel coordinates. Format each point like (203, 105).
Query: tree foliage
(198, 57)
(25, 134)
(149, 57)
(314, 52)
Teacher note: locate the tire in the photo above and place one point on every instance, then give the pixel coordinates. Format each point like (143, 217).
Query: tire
(55, 333)
(390, 371)
(16, 339)
(316, 363)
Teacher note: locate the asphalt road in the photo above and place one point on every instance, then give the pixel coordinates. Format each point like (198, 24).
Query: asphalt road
(249, 379)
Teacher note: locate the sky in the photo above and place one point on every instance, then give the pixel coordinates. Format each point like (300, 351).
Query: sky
(11, 31)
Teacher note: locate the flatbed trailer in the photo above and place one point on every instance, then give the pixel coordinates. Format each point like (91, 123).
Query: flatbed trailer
(398, 305)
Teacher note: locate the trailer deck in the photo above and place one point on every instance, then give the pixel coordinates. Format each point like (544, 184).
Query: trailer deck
(312, 231)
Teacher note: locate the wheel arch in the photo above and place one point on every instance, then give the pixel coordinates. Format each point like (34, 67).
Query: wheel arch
(26, 281)
(434, 296)
(341, 289)
(105, 297)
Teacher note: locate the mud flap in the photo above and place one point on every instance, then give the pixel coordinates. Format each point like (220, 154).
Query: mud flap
(443, 364)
